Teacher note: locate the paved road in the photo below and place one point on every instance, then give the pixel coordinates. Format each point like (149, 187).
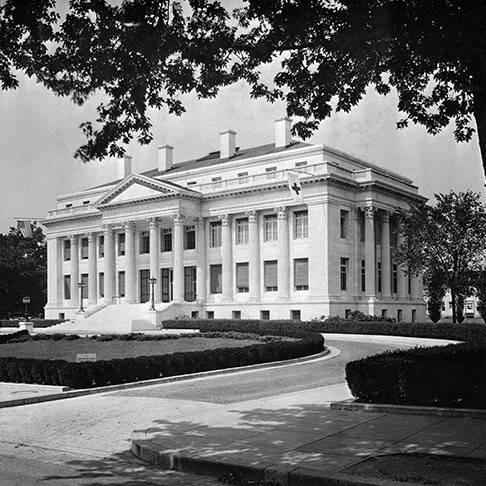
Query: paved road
(85, 440)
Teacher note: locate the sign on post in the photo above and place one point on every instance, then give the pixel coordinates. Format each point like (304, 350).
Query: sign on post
(25, 300)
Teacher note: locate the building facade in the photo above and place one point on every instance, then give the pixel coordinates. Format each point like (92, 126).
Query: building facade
(225, 236)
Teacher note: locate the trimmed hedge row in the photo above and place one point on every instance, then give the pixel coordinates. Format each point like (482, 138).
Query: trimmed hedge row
(449, 376)
(37, 322)
(115, 371)
(5, 338)
(459, 332)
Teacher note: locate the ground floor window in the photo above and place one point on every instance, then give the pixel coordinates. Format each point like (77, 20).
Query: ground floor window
(67, 287)
(383, 312)
(270, 271)
(301, 274)
(399, 315)
(189, 284)
(265, 315)
(209, 314)
(242, 277)
(101, 284)
(344, 273)
(121, 284)
(194, 314)
(166, 287)
(236, 314)
(414, 315)
(216, 278)
(295, 315)
(347, 313)
(84, 285)
(363, 276)
(62, 316)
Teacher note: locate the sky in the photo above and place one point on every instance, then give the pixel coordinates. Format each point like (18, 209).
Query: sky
(39, 134)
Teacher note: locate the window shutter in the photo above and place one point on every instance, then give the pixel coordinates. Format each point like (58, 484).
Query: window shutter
(242, 279)
(271, 275)
(301, 271)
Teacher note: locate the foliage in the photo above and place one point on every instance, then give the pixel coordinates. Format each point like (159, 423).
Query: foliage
(37, 322)
(15, 336)
(23, 272)
(435, 296)
(360, 317)
(145, 54)
(481, 294)
(456, 376)
(445, 241)
(460, 301)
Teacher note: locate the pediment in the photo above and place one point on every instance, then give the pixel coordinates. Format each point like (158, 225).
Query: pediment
(139, 188)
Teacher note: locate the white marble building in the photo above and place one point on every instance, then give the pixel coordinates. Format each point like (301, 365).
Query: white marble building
(224, 237)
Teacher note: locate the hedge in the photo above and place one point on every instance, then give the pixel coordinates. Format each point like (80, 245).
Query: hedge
(23, 335)
(458, 332)
(115, 371)
(449, 376)
(37, 322)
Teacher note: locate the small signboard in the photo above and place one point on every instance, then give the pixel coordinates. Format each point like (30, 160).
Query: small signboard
(85, 357)
(25, 300)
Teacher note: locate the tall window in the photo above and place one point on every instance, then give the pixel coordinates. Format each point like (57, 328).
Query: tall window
(394, 278)
(67, 287)
(270, 227)
(144, 242)
(271, 172)
(344, 273)
(301, 274)
(67, 250)
(101, 284)
(101, 246)
(189, 237)
(84, 288)
(166, 239)
(84, 248)
(363, 276)
(214, 234)
(344, 223)
(242, 278)
(270, 271)
(121, 244)
(301, 228)
(121, 284)
(241, 229)
(215, 277)
(379, 276)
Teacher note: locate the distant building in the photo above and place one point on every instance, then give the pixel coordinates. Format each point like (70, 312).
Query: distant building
(226, 235)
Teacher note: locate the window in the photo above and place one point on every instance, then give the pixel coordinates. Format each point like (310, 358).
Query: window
(414, 315)
(101, 284)
(242, 277)
(379, 276)
(62, 316)
(301, 274)
(121, 284)
(121, 244)
(399, 315)
(270, 271)
(301, 164)
(301, 229)
(295, 315)
(363, 276)
(215, 276)
(84, 248)
(383, 312)
(85, 203)
(144, 243)
(101, 246)
(271, 172)
(344, 273)
(270, 227)
(216, 182)
(194, 314)
(236, 314)
(67, 250)
(265, 315)
(84, 287)
(243, 178)
(361, 226)
(166, 239)
(344, 223)
(70, 205)
(347, 313)
(189, 237)
(214, 234)
(209, 314)
(394, 278)
(192, 183)
(241, 229)
(67, 287)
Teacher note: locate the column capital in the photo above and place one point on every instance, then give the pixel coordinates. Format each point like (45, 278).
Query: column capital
(107, 228)
(252, 215)
(369, 211)
(91, 237)
(281, 212)
(199, 220)
(178, 218)
(225, 219)
(154, 223)
(73, 239)
(129, 226)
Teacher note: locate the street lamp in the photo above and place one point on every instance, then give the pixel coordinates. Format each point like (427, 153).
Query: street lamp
(81, 286)
(152, 281)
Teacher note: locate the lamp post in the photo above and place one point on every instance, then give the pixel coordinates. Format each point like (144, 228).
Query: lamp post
(81, 286)
(152, 281)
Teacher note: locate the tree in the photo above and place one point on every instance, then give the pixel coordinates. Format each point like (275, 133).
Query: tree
(481, 294)
(145, 53)
(23, 272)
(435, 296)
(445, 241)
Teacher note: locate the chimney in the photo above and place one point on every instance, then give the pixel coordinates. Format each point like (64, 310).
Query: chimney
(282, 132)
(227, 144)
(124, 167)
(165, 157)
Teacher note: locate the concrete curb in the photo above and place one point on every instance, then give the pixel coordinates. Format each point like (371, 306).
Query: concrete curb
(409, 409)
(328, 353)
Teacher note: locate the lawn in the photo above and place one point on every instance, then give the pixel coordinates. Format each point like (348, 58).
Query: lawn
(105, 350)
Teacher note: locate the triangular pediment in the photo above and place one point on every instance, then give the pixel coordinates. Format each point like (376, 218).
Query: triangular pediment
(137, 187)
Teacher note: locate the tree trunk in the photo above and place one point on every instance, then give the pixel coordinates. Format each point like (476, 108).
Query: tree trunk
(453, 298)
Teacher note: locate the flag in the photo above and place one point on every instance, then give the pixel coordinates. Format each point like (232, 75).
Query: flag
(25, 227)
(295, 187)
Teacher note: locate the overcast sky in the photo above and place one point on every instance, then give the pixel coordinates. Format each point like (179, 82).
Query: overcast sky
(39, 134)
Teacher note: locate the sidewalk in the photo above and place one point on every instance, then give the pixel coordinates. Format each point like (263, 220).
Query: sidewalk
(296, 439)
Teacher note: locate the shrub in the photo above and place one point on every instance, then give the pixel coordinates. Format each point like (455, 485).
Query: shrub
(453, 375)
(5, 338)
(460, 300)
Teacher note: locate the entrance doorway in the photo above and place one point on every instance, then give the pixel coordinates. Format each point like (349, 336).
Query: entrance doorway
(166, 287)
(144, 286)
(189, 284)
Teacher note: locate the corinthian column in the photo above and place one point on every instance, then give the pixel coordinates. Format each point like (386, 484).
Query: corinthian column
(130, 261)
(92, 270)
(201, 260)
(109, 264)
(283, 254)
(154, 257)
(74, 270)
(370, 252)
(254, 256)
(178, 258)
(227, 257)
(385, 256)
